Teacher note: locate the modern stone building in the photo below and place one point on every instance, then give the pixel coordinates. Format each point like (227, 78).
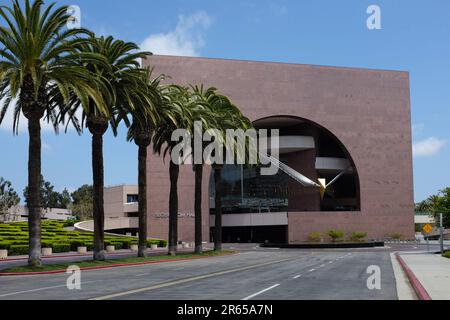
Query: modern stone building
(351, 127)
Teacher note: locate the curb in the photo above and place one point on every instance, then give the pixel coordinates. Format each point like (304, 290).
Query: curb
(39, 273)
(74, 255)
(420, 291)
(50, 257)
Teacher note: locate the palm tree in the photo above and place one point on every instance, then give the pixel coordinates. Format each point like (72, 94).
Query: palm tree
(38, 60)
(205, 114)
(144, 120)
(124, 91)
(177, 114)
(228, 117)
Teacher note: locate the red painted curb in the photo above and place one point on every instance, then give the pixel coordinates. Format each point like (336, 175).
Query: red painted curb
(74, 255)
(421, 292)
(107, 266)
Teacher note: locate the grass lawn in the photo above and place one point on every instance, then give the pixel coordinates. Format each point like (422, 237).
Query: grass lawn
(446, 254)
(90, 263)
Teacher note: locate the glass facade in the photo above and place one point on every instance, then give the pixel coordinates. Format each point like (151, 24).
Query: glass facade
(245, 190)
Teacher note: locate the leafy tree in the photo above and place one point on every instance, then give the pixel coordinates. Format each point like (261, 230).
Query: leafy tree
(38, 63)
(65, 199)
(49, 197)
(82, 205)
(436, 204)
(8, 197)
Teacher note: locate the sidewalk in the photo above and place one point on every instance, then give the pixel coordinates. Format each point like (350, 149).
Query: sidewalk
(432, 271)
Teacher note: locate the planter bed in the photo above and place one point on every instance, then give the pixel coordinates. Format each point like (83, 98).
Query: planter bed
(330, 245)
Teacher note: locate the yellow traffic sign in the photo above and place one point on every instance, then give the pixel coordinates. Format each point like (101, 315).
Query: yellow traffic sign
(427, 228)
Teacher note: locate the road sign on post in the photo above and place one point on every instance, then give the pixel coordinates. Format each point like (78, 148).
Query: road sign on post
(441, 233)
(427, 228)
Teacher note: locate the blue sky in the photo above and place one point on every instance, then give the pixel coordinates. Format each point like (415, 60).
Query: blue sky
(414, 37)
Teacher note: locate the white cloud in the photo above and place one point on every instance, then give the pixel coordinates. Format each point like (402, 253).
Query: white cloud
(8, 121)
(185, 40)
(428, 147)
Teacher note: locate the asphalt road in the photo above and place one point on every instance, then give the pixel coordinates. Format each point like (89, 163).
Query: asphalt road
(251, 274)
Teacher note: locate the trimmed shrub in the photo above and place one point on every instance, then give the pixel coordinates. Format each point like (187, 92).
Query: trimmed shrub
(162, 243)
(117, 245)
(396, 236)
(335, 235)
(61, 247)
(358, 236)
(17, 250)
(152, 241)
(46, 244)
(446, 254)
(77, 243)
(54, 234)
(315, 236)
(12, 234)
(4, 245)
(126, 244)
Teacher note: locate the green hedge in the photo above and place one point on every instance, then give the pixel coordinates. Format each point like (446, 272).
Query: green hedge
(18, 250)
(61, 247)
(54, 235)
(160, 243)
(4, 245)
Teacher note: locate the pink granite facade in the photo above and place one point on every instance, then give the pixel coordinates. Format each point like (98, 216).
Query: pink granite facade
(367, 110)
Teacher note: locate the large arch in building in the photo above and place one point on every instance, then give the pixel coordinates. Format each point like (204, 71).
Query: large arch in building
(256, 206)
(363, 114)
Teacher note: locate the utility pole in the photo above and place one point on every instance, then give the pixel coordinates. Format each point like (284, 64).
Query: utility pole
(442, 232)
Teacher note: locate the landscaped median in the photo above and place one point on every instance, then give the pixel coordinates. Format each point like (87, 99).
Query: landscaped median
(56, 239)
(92, 265)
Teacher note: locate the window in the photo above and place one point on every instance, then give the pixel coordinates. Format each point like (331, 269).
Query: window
(132, 198)
(133, 214)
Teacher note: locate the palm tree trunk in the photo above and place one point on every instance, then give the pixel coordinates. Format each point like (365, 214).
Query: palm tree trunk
(173, 208)
(99, 212)
(198, 168)
(34, 197)
(218, 210)
(142, 179)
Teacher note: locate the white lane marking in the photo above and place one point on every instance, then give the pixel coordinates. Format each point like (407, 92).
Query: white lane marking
(42, 289)
(330, 262)
(321, 266)
(260, 292)
(187, 280)
(312, 270)
(297, 276)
